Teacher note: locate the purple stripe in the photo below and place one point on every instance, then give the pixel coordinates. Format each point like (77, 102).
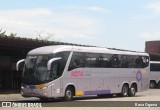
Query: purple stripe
(97, 92)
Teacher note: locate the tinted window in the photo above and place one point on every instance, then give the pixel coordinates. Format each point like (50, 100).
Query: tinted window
(91, 60)
(142, 61)
(77, 61)
(154, 67)
(115, 61)
(104, 61)
(58, 66)
(124, 61)
(145, 61)
(131, 61)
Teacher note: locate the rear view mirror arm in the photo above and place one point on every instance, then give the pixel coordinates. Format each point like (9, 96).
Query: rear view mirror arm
(51, 61)
(20, 61)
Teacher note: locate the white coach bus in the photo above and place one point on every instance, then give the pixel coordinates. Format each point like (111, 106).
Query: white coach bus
(67, 71)
(154, 75)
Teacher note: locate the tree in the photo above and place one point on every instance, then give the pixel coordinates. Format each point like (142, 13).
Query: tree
(3, 34)
(12, 35)
(45, 37)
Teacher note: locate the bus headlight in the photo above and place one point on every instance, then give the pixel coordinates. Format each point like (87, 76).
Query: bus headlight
(44, 88)
(22, 87)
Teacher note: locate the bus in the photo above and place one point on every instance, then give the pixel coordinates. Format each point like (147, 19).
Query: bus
(154, 74)
(67, 71)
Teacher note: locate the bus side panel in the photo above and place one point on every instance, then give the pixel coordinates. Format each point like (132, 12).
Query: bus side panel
(56, 89)
(111, 84)
(145, 79)
(96, 85)
(104, 81)
(84, 83)
(145, 84)
(83, 87)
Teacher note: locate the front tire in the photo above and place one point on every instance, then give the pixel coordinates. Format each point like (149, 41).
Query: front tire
(68, 94)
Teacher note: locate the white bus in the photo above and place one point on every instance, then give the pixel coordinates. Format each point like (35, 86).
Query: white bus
(67, 71)
(154, 75)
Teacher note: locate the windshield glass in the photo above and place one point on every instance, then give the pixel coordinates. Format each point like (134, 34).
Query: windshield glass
(35, 68)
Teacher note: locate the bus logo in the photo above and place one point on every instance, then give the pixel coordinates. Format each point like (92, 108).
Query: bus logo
(76, 74)
(139, 76)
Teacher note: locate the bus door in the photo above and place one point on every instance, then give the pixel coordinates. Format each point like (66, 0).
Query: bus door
(56, 85)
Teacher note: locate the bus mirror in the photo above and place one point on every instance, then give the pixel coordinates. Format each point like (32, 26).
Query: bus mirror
(51, 61)
(17, 65)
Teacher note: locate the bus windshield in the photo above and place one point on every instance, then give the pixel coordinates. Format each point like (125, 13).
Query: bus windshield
(35, 68)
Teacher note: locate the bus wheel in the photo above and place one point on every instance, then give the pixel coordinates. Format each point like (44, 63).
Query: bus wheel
(132, 91)
(68, 94)
(152, 84)
(124, 92)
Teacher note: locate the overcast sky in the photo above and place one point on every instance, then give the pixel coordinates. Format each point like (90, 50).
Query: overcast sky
(123, 24)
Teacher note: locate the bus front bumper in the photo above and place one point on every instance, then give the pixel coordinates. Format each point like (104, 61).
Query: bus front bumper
(28, 92)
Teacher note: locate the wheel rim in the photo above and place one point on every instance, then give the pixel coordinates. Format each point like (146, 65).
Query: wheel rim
(133, 90)
(152, 85)
(68, 94)
(125, 91)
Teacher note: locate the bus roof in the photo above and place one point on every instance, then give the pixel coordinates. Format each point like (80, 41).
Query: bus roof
(59, 48)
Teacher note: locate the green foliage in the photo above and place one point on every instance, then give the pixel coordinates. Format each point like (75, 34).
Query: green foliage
(3, 34)
(12, 35)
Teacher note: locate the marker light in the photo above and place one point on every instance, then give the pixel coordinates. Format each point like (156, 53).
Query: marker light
(45, 93)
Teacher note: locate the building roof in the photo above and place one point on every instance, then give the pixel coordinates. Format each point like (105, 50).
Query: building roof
(28, 42)
(21, 46)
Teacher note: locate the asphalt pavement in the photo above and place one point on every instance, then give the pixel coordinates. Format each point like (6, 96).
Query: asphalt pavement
(147, 100)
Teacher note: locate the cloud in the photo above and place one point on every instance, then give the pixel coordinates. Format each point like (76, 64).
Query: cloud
(154, 6)
(89, 8)
(64, 25)
(22, 18)
(97, 9)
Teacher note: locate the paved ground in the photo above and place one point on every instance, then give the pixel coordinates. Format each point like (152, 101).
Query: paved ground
(150, 95)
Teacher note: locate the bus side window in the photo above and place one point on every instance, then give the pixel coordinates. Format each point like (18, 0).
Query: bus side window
(131, 60)
(55, 69)
(77, 61)
(154, 67)
(145, 61)
(62, 62)
(139, 62)
(124, 61)
(115, 61)
(91, 60)
(104, 61)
